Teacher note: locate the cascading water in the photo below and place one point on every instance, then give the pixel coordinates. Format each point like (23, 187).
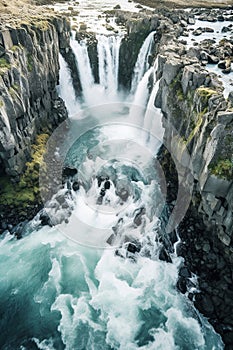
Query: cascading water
(142, 63)
(108, 48)
(108, 53)
(57, 294)
(141, 95)
(66, 89)
(84, 68)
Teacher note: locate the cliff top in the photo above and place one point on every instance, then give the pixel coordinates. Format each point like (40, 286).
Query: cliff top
(17, 11)
(185, 3)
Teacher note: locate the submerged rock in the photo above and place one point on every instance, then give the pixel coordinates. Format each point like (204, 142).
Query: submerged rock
(45, 219)
(164, 255)
(76, 186)
(69, 171)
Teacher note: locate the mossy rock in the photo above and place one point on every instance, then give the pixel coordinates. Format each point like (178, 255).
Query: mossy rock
(25, 192)
(4, 65)
(223, 169)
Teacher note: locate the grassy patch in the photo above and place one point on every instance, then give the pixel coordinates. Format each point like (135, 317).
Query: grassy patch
(42, 25)
(26, 191)
(205, 93)
(222, 169)
(15, 48)
(196, 127)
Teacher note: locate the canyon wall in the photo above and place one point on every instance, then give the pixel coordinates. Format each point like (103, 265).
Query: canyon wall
(198, 122)
(29, 102)
(30, 109)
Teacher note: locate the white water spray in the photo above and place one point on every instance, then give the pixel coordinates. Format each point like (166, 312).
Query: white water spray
(84, 68)
(91, 299)
(66, 89)
(142, 63)
(108, 55)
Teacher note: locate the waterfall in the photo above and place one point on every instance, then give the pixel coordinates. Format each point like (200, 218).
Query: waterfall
(66, 89)
(66, 295)
(141, 95)
(153, 115)
(84, 68)
(108, 49)
(108, 55)
(142, 64)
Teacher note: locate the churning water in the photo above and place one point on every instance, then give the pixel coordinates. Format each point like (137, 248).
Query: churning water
(65, 287)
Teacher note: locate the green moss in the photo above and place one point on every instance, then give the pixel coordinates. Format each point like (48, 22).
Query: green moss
(15, 48)
(13, 90)
(30, 62)
(4, 65)
(1, 104)
(223, 168)
(196, 126)
(26, 191)
(180, 94)
(205, 93)
(42, 25)
(189, 98)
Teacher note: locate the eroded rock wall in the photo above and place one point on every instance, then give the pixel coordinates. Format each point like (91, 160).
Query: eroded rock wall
(29, 102)
(198, 120)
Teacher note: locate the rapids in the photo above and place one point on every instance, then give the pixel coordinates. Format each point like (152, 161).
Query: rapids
(65, 287)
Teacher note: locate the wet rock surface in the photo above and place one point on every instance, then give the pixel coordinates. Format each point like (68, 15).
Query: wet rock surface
(193, 105)
(29, 104)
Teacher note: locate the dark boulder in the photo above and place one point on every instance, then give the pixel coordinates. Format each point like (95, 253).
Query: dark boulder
(164, 255)
(102, 192)
(45, 219)
(220, 18)
(191, 20)
(107, 185)
(230, 97)
(225, 29)
(181, 285)
(227, 70)
(222, 65)
(99, 200)
(197, 32)
(111, 239)
(69, 171)
(123, 193)
(213, 59)
(204, 304)
(138, 217)
(100, 179)
(209, 30)
(133, 248)
(184, 272)
(76, 186)
(19, 229)
(60, 198)
(2, 51)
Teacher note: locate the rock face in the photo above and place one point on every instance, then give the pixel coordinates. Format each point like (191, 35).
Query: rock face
(138, 27)
(29, 102)
(198, 120)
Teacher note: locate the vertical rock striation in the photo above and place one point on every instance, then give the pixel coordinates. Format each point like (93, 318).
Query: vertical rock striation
(29, 102)
(193, 104)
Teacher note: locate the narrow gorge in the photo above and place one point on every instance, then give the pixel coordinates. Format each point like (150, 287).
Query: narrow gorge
(116, 154)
